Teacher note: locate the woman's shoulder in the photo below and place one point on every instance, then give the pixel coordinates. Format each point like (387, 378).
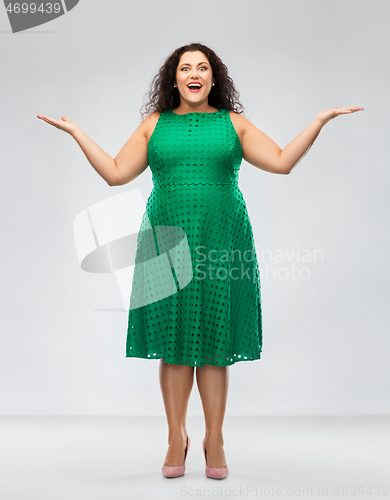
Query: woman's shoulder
(150, 123)
(152, 117)
(239, 122)
(239, 118)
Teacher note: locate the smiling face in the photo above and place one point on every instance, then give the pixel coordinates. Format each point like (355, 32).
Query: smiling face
(194, 67)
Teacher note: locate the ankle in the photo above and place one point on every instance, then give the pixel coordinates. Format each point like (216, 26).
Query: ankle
(177, 436)
(215, 437)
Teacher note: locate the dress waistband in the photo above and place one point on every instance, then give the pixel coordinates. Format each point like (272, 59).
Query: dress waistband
(173, 184)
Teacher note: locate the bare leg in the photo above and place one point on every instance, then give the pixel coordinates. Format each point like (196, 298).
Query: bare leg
(213, 382)
(176, 383)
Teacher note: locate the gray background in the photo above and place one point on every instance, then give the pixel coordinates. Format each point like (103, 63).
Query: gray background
(326, 340)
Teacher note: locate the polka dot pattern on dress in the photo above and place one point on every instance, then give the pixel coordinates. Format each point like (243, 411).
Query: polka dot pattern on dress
(196, 294)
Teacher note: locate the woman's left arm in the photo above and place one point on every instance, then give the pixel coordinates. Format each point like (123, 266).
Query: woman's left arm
(293, 153)
(262, 152)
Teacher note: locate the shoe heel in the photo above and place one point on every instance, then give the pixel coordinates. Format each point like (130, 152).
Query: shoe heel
(180, 469)
(214, 472)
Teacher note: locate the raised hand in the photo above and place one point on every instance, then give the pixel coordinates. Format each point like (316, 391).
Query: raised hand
(66, 125)
(329, 114)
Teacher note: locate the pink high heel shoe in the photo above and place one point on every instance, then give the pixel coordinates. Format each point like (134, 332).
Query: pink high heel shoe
(214, 472)
(180, 469)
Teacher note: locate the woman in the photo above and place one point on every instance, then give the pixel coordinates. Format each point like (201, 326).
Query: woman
(194, 138)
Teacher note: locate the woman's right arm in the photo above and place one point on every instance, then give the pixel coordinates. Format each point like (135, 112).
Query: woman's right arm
(128, 164)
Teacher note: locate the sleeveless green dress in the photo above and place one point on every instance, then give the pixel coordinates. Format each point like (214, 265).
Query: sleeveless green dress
(196, 297)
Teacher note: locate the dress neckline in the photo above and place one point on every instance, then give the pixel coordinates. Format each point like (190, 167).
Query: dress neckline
(195, 113)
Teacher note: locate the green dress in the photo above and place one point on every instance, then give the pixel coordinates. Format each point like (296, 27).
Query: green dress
(195, 297)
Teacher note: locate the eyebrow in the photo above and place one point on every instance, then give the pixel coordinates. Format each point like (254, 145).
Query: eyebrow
(188, 64)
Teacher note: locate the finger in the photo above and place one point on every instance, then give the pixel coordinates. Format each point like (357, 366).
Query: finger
(343, 111)
(50, 121)
(353, 109)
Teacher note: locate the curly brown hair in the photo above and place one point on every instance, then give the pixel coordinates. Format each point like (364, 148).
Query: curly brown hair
(163, 96)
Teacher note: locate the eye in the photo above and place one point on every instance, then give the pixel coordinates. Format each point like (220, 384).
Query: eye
(203, 67)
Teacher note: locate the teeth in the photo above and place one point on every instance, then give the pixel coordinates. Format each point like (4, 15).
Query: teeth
(194, 85)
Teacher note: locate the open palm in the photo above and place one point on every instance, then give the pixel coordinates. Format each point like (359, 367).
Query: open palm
(64, 124)
(329, 114)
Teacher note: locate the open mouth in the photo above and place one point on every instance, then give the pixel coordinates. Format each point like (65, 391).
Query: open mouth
(194, 87)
